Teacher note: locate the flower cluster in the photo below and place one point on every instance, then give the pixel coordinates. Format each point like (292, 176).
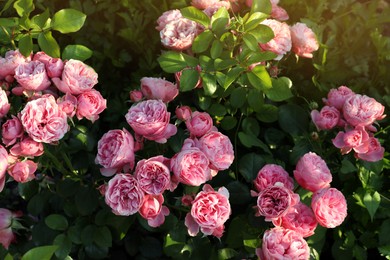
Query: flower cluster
(356, 114)
(52, 92)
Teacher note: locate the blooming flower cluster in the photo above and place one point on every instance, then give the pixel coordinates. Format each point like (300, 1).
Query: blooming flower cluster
(51, 92)
(356, 114)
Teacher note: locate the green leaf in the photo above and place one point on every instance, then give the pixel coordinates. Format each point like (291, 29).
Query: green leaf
(255, 99)
(281, 89)
(41, 253)
(249, 140)
(238, 97)
(188, 79)
(206, 63)
(6, 6)
(216, 49)
(172, 61)
(24, 7)
(219, 21)
(150, 247)
(226, 253)
(209, 83)
(293, 119)
(68, 20)
(56, 222)
(48, 44)
(41, 20)
(250, 126)
(268, 113)
(261, 6)
(254, 20)
(64, 246)
(102, 236)
(259, 78)
(191, 61)
(228, 122)
(239, 193)
(232, 75)
(222, 64)
(87, 200)
(256, 57)
(202, 41)
(8, 256)
(196, 15)
(249, 166)
(25, 45)
(9, 22)
(384, 230)
(372, 203)
(76, 52)
(262, 33)
(347, 166)
(217, 110)
(251, 42)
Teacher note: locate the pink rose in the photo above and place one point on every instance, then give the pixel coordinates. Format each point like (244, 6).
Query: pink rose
(281, 43)
(123, 195)
(280, 243)
(43, 120)
(4, 104)
(11, 130)
(5, 218)
(361, 110)
(312, 173)
(299, 218)
(90, 104)
(356, 139)
(211, 10)
(115, 151)
(54, 66)
(157, 88)
(203, 4)
(187, 199)
(77, 77)
(153, 211)
(329, 207)
(23, 171)
(3, 166)
(6, 237)
(153, 175)
(218, 149)
(6, 234)
(326, 119)
(136, 95)
(68, 104)
(374, 153)
(179, 34)
(150, 119)
(199, 123)
(336, 97)
(275, 201)
(9, 63)
(191, 167)
(183, 113)
(32, 76)
(168, 17)
(209, 212)
(27, 147)
(304, 41)
(270, 174)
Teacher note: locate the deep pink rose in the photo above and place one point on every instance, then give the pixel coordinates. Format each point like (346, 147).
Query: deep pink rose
(275, 201)
(312, 173)
(210, 210)
(68, 104)
(299, 218)
(23, 171)
(329, 207)
(281, 43)
(4, 104)
(199, 123)
(32, 76)
(153, 211)
(54, 66)
(115, 151)
(9, 63)
(304, 41)
(203, 4)
(280, 243)
(123, 195)
(157, 88)
(150, 119)
(153, 175)
(11, 130)
(361, 110)
(271, 174)
(183, 113)
(336, 97)
(168, 17)
(136, 95)
(27, 147)
(326, 119)
(3, 166)
(43, 120)
(90, 104)
(374, 153)
(179, 34)
(356, 139)
(218, 149)
(77, 77)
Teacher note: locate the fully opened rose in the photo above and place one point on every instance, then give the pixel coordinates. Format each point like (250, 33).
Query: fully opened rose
(270, 174)
(32, 76)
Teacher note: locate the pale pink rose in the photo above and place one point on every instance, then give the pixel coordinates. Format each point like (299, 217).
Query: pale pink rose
(54, 66)
(325, 119)
(68, 104)
(136, 95)
(209, 212)
(150, 119)
(281, 43)
(27, 147)
(203, 4)
(191, 167)
(361, 110)
(168, 17)
(6, 237)
(183, 113)
(336, 97)
(312, 173)
(123, 195)
(280, 243)
(153, 175)
(198, 83)
(23, 171)
(3, 166)
(179, 34)
(115, 151)
(4, 104)
(90, 104)
(218, 149)
(199, 124)
(375, 151)
(279, 13)
(275, 201)
(304, 41)
(32, 76)
(77, 77)
(299, 218)
(157, 88)
(9, 63)
(270, 174)
(6, 217)
(153, 211)
(329, 207)
(11, 130)
(43, 120)
(356, 139)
